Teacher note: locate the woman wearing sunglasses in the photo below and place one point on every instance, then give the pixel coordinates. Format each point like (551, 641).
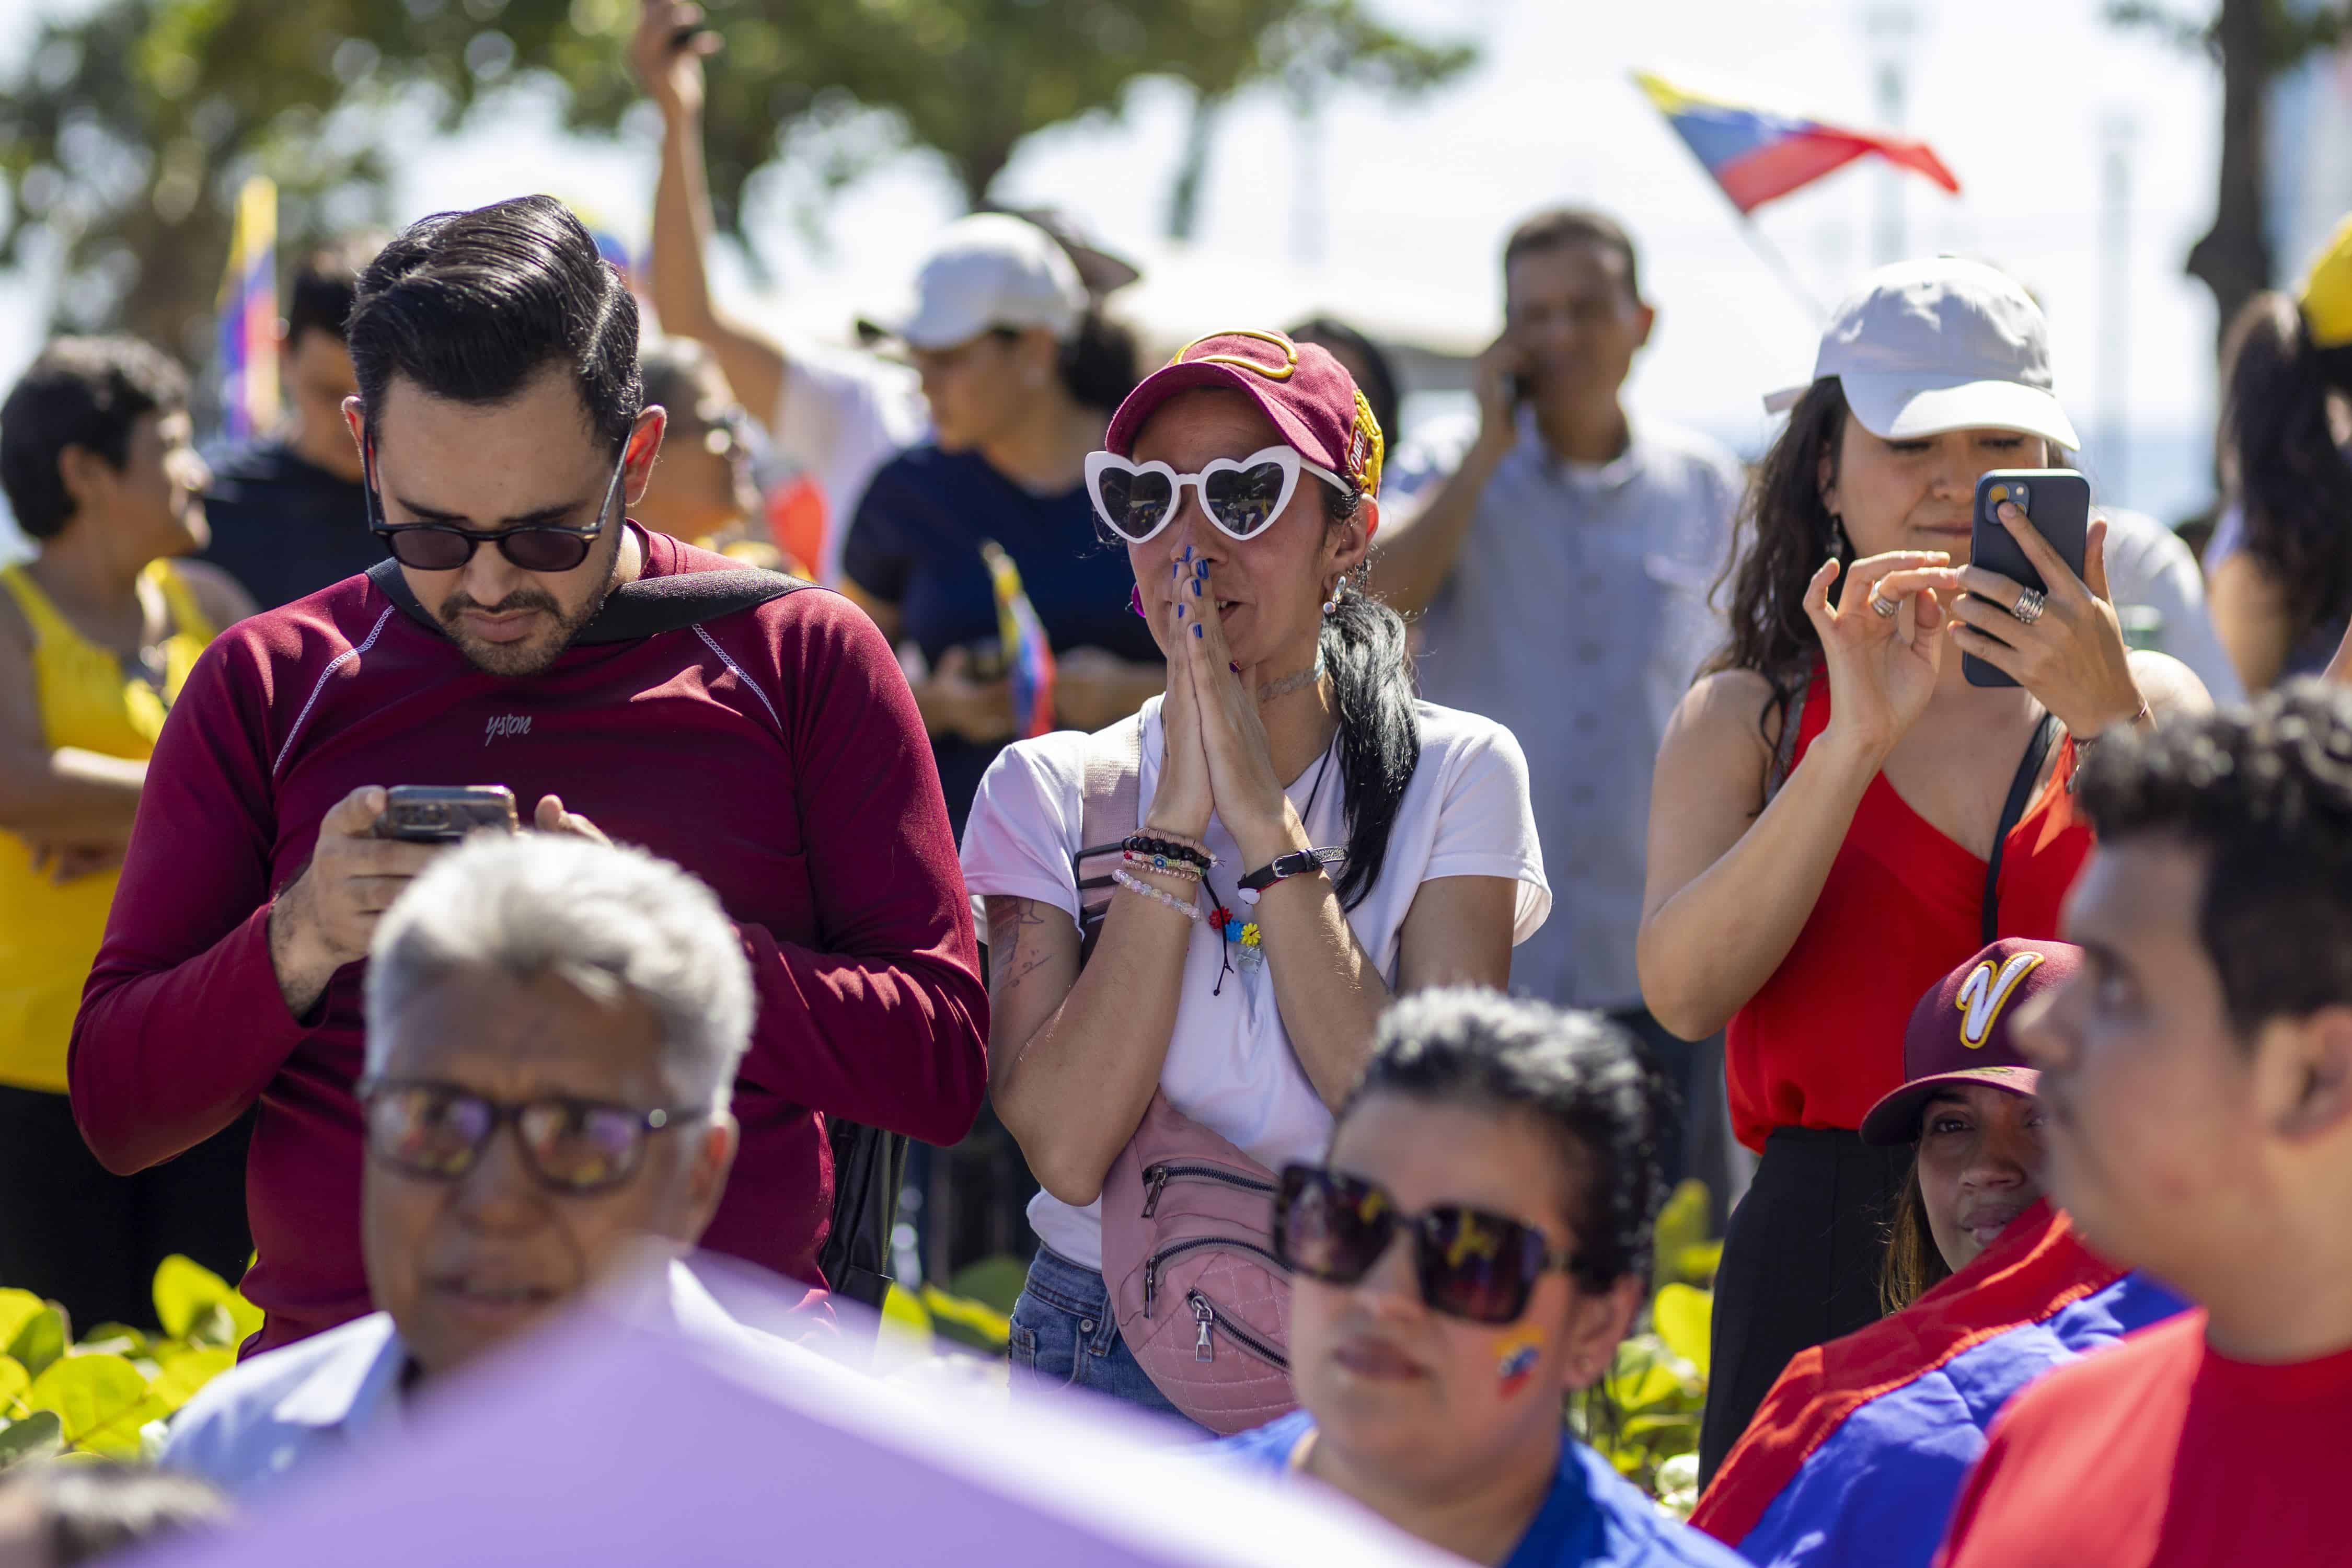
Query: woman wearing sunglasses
(1856, 1455)
(1326, 840)
(1469, 1252)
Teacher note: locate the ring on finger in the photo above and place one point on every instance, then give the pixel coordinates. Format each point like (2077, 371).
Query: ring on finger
(2029, 606)
(1882, 608)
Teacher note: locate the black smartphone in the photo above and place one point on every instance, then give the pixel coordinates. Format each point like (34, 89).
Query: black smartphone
(442, 813)
(2057, 501)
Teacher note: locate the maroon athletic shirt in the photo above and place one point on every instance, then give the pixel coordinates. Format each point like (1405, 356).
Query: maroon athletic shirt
(775, 752)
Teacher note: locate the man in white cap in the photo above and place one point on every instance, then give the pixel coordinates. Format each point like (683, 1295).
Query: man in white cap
(838, 414)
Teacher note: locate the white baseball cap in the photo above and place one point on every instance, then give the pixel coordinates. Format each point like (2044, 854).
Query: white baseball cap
(986, 272)
(1922, 347)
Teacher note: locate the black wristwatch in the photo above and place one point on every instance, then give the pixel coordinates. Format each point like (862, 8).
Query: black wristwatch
(1297, 863)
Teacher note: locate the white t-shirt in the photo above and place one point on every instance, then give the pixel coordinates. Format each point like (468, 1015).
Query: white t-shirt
(1229, 1066)
(842, 415)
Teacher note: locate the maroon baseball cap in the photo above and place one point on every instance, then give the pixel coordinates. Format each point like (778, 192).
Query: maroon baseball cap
(1309, 394)
(1963, 1031)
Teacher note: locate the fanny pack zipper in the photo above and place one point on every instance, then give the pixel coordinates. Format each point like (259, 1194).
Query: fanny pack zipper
(1157, 1178)
(1152, 1264)
(1205, 1313)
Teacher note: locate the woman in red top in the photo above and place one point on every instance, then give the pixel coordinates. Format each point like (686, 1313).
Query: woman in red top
(1828, 798)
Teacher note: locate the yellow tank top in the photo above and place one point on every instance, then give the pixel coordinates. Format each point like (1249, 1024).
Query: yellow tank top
(49, 934)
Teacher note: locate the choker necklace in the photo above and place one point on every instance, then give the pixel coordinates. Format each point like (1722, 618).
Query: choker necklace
(1290, 683)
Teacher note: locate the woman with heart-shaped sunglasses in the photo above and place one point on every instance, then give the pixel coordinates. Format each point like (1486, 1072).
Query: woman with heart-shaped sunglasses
(1310, 838)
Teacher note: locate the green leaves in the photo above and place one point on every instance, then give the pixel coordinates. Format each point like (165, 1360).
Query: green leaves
(40, 1340)
(193, 1303)
(1683, 1317)
(37, 1436)
(99, 1401)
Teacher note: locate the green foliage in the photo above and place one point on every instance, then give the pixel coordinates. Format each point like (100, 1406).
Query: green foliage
(1643, 1417)
(128, 126)
(95, 1396)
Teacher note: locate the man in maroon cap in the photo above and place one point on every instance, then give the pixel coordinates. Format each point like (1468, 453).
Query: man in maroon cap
(1855, 1455)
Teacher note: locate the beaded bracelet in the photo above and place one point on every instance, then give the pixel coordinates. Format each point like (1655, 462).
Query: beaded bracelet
(1161, 865)
(1191, 912)
(1182, 849)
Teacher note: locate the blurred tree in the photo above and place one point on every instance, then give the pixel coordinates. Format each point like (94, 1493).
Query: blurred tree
(2253, 42)
(126, 130)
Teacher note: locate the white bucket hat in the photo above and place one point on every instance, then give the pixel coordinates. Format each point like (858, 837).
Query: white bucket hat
(1922, 347)
(986, 272)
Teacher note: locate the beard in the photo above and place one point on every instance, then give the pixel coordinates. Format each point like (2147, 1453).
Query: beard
(527, 656)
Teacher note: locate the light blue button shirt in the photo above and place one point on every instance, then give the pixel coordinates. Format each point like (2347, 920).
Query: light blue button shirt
(1577, 614)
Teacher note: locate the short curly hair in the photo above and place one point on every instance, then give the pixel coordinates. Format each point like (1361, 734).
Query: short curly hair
(1577, 1075)
(2265, 793)
(80, 392)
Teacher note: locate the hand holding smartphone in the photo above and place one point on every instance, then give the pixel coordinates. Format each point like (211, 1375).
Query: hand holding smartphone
(445, 814)
(2057, 501)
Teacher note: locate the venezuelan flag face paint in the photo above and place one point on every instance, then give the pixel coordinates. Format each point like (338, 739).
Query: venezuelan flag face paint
(1516, 1360)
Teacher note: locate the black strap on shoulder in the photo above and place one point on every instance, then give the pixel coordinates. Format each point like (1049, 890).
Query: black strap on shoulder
(638, 609)
(2013, 812)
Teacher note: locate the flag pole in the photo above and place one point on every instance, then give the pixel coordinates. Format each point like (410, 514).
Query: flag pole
(1771, 257)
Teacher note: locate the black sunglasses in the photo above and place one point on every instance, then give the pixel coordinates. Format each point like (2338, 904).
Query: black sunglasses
(445, 546)
(438, 1130)
(1471, 1264)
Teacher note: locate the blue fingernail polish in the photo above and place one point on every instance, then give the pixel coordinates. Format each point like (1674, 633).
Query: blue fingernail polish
(1235, 667)
(1203, 569)
(1196, 631)
(1196, 588)
(1180, 611)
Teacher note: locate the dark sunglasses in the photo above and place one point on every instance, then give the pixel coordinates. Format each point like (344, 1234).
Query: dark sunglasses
(438, 1130)
(445, 546)
(1472, 1265)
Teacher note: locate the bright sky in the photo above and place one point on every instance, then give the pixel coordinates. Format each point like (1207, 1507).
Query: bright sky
(2020, 97)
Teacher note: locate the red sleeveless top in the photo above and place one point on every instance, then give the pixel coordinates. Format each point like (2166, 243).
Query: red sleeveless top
(1904, 905)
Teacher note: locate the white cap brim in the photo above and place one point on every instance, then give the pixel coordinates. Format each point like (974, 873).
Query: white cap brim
(1907, 408)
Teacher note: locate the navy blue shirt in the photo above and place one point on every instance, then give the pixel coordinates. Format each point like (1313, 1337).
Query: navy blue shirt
(1592, 1518)
(915, 543)
(285, 528)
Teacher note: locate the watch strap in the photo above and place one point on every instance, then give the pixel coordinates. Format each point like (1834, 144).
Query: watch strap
(1297, 863)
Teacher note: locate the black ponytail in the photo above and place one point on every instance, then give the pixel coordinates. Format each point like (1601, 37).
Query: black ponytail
(2280, 459)
(1100, 364)
(1363, 650)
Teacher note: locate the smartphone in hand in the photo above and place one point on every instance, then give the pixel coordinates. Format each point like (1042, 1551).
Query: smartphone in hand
(443, 814)
(2057, 501)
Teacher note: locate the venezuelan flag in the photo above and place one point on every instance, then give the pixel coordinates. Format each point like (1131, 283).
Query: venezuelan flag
(1028, 657)
(248, 314)
(1758, 154)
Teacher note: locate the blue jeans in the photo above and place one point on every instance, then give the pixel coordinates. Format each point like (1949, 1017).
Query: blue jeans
(1064, 1335)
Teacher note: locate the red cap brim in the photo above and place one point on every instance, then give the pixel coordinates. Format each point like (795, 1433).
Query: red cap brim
(1895, 1120)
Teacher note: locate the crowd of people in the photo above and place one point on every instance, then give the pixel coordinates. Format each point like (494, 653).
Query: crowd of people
(1434, 856)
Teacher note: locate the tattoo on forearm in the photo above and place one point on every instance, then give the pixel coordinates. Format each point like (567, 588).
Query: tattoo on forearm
(1008, 965)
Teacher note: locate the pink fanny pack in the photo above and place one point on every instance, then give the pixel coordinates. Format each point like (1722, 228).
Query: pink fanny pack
(1187, 1218)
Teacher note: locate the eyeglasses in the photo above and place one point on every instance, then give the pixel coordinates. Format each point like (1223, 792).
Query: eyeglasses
(1136, 500)
(445, 546)
(438, 1130)
(1473, 1265)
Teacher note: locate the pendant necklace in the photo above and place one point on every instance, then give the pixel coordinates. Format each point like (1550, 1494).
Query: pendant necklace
(1240, 946)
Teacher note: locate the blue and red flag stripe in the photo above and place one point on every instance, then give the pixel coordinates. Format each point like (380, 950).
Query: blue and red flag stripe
(1758, 154)
(1857, 1455)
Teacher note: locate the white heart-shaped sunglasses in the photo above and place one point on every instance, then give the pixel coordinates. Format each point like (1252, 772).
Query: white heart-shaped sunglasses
(1242, 496)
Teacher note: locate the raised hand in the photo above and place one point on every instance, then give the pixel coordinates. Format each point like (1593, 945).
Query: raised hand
(1882, 667)
(1248, 794)
(670, 70)
(1182, 801)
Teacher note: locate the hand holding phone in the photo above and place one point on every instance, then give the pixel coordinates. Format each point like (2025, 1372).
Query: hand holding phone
(2057, 502)
(445, 814)
(667, 52)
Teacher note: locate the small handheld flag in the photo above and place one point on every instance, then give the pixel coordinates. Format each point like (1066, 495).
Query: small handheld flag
(1028, 657)
(1758, 155)
(248, 314)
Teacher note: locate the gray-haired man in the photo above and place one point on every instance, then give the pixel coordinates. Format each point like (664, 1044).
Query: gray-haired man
(553, 1027)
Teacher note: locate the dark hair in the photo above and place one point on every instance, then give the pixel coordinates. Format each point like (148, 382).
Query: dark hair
(1782, 537)
(471, 305)
(2265, 793)
(320, 290)
(1381, 389)
(1914, 1264)
(80, 392)
(2278, 455)
(1363, 649)
(1100, 363)
(1577, 1075)
(1560, 226)
(90, 1511)
(668, 369)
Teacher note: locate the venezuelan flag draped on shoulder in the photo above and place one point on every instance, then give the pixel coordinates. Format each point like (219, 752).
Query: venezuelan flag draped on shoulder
(1757, 154)
(1857, 1455)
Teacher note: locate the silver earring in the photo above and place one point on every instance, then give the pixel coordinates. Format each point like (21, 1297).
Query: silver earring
(1837, 535)
(1339, 591)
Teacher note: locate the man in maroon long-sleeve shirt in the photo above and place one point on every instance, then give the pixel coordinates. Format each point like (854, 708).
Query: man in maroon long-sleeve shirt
(775, 752)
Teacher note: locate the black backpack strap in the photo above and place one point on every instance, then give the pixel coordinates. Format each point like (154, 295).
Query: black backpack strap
(633, 610)
(2013, 812)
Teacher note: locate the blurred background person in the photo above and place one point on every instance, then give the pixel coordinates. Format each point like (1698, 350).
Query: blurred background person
(2158, 588)
(98, 632)
(1565, 564)
(59, 1516)
(1856, 1455)
(1839, 815)
(1374, 372)
(1469, 1252)
(2280, 563)
(288, 511)
(702, 490)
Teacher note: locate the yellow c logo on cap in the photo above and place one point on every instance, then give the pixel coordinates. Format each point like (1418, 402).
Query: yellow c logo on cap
(1986, 992)
(1282, 371)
